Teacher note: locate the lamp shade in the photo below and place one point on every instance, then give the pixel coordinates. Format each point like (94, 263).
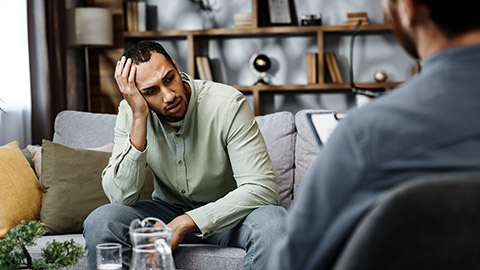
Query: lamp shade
(92, 26)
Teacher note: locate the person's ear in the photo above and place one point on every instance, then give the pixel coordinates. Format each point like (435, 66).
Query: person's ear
(386, 10)
(407, 12)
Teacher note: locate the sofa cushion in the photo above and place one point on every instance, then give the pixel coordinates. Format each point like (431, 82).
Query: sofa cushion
(186, 256)
(210, 257)
(20, 193)
(72, 184)
(278, 130)
(36, 156)
(71, 180)
(83, 129)
(306, 146)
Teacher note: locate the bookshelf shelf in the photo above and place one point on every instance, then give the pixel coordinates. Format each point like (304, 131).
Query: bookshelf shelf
(257, 31)
(256, 90)
(309, 87)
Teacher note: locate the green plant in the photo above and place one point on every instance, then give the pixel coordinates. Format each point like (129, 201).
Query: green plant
(205, 5)
(1, 109)
(14, 255)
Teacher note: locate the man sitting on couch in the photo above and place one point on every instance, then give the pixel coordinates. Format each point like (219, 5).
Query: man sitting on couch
(429, 125)
(214, 181)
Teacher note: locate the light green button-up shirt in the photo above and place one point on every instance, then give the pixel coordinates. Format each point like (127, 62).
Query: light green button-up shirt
(215, 167)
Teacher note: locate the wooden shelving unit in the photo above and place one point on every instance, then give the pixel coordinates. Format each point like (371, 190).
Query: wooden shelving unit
(257, 31)
(197, 41)
(256, 90)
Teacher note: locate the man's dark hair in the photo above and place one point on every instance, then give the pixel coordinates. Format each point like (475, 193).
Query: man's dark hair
(454, 17)
(142, 52)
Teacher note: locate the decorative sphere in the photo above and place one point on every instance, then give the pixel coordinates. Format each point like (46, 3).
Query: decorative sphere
(261, 62)
(380, 76)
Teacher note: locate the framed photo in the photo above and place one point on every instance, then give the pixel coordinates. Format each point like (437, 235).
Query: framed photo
(281, 12)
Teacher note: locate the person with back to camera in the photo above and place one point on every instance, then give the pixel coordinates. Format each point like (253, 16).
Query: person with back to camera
(428, 125)
(214, 181)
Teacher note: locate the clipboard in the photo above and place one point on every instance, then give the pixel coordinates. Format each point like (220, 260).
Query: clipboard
(323, 123)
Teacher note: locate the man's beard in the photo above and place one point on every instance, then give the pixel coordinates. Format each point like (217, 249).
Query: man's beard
(403, 37)
(405, 40)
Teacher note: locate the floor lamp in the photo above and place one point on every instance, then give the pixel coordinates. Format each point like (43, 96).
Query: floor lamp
(92, 27)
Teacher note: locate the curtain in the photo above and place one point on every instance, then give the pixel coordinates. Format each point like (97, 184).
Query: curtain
(57, 77)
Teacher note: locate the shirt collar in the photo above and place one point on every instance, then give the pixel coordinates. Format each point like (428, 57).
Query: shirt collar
(448, 57)
(192, 103)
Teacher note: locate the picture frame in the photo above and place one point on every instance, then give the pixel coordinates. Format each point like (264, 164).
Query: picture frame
(280, 12)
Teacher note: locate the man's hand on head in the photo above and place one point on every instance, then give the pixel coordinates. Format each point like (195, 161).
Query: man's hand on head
(181, 225)
(125, 73)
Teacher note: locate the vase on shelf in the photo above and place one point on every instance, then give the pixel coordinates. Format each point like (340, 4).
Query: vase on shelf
(208, 20)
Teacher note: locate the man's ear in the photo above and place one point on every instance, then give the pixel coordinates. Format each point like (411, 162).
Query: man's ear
(407, 12)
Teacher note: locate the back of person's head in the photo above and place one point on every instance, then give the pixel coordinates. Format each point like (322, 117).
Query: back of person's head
(454, 17)
(142, 52)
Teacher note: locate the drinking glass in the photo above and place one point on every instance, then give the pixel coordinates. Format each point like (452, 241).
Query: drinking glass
(109, 256)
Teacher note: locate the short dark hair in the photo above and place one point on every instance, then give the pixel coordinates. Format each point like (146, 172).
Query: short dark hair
(454, 17)
(141, 52)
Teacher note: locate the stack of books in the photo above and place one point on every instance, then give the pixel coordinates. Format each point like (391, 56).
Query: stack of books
(353, 18)
(203, 68)
(242, 20)
(333, 69)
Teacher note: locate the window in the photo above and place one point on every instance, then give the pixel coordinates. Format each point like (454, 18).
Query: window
(15, 122)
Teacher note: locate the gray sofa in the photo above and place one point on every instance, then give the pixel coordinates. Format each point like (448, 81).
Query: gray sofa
(429, 223)
(290, 144)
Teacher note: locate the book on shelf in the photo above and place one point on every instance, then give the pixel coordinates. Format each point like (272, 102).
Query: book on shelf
(333, 68)
(336, 68)
(203, 68)
(132, 16)
(357, 15)
(312, 68)
(353, 18)
(242, 20)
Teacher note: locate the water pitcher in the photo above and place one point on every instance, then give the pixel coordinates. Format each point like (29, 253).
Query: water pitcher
(151, 245)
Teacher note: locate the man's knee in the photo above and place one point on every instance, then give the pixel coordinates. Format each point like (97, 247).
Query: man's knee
(105, 216)
(270, 220)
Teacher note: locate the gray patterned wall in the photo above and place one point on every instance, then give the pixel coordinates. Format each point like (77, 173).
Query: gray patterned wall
(230, 57)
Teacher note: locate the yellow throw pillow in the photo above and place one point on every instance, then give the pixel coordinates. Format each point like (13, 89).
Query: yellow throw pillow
(20, 192)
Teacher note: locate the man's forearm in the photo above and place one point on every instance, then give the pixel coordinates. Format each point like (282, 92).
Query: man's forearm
(138, 134)
(233, 207)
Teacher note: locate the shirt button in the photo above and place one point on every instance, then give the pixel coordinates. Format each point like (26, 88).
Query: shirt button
(180, 162)
(183, 191)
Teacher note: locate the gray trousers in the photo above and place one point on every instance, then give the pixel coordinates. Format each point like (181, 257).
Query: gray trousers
(255, 234)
